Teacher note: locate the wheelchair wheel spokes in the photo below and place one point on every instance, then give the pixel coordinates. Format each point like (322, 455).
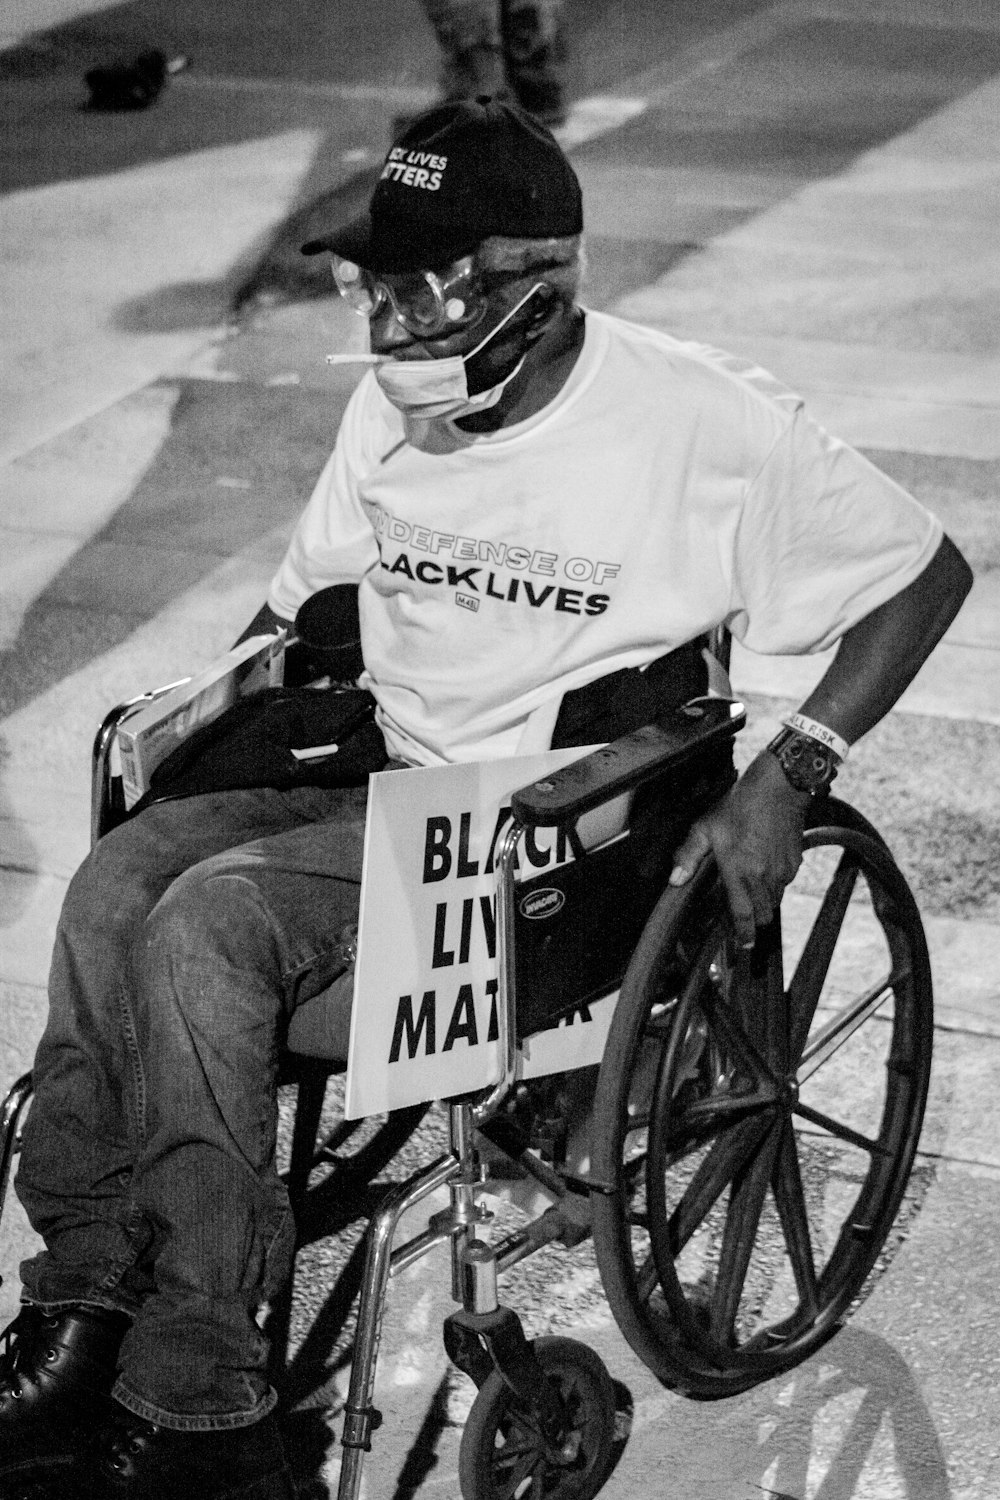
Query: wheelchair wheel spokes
(807, 982)
(714, 1087)
(729, 1157)
(709, 1215)
(790, 1199)
(747, 1193)
(776, 1154)
(685, 1073)
(837, 1030)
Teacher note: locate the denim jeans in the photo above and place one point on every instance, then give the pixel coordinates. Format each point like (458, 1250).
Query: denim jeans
(186, 939)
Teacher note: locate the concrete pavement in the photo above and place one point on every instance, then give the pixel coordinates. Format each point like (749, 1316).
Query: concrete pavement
(813, 184)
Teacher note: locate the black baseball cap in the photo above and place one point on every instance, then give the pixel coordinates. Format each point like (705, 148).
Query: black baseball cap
(459, 173)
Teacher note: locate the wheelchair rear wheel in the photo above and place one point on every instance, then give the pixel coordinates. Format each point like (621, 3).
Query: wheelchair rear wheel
(756, 1135)
(504, 1453)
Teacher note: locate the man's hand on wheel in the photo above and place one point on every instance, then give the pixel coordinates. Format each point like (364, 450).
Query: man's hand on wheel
(755, 834)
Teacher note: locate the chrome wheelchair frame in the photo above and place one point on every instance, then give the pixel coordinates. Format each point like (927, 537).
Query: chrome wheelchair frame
(698, 1115)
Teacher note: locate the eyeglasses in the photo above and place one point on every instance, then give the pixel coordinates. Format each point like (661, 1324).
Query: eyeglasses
(425, 303)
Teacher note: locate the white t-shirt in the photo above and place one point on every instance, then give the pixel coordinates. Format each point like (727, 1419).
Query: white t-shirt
(666, 489)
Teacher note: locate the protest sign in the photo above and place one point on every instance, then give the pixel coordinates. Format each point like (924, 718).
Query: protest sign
(424, 1022)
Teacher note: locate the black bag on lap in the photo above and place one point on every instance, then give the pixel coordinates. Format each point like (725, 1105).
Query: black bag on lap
(251, 744)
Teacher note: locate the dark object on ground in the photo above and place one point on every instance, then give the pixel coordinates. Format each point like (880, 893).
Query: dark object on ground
(135, 85)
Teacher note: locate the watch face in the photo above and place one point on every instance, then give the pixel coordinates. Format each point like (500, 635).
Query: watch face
(809, 766)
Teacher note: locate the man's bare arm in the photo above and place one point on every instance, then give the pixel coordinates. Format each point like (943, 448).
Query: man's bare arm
(755, 831)
(880, 656)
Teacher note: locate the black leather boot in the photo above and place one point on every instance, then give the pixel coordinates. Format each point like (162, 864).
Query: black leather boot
(138, 1461)
(56, 1374)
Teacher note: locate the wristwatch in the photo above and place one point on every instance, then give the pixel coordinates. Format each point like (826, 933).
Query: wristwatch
(809, 765)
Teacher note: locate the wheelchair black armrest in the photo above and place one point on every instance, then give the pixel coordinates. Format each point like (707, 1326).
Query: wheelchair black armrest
(651, 751)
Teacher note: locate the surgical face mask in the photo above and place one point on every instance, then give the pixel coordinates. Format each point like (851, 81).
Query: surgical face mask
(438, 388)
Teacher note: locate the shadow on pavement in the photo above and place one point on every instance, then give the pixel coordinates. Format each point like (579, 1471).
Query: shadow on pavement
(857, 1391)
(220, 482)
(851, 1421)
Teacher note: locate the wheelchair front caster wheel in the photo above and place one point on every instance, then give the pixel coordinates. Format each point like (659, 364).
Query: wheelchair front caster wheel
(504, 1453)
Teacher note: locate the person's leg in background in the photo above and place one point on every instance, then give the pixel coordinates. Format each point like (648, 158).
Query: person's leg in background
(534, 46)
(470, 37)
(509, 48)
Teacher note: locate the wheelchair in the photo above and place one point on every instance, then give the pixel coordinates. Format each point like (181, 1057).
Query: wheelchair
(753, 1126)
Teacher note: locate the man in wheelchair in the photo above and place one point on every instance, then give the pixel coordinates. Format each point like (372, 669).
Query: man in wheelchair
(542, 506)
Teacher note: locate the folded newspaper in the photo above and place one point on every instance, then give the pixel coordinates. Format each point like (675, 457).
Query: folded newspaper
(149, 734)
